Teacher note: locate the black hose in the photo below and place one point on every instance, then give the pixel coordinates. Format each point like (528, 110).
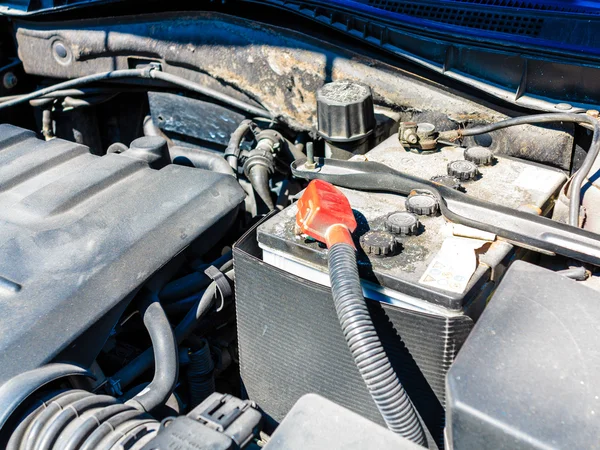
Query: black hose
(259, 179)
(166, 365)
(201, 159)
(232, 152)
(368, 353)
(103, 76)
(200, 373)
(74, 92)
(208, 92)
(147, 72)
(80, 420)
(149, 128)
(575, 273)
(588, 162)
(193, 282)
(17, 389)
(143, 362)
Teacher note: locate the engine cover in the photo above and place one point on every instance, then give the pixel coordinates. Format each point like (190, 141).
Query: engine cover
(79, 233)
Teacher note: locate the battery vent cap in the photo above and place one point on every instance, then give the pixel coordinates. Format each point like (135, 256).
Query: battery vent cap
(463, 170)
(378, 243)
(481, 156)
(423, 204)
(402, 223)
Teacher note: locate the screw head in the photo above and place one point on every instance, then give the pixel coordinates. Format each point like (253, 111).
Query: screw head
(9, 80)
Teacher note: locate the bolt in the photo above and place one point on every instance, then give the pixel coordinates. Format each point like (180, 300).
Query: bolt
(60, 50)
(412, 138)
(310, 157)
(563, 106)
(10, 80)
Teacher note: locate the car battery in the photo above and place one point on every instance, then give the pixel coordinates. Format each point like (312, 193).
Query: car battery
(426, 282)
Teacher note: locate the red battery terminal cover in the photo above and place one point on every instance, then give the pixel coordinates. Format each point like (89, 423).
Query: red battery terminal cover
(324, 213)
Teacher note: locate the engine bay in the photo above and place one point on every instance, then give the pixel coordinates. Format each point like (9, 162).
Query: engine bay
(223, 231)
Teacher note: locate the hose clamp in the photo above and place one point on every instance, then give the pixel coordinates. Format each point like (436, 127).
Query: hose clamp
(223, 285)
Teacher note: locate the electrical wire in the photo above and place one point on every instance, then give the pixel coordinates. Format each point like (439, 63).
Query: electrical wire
(588, 162)
(150, 72)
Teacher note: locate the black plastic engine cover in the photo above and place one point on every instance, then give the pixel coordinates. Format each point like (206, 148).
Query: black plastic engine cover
(79, 233)
(528, 376)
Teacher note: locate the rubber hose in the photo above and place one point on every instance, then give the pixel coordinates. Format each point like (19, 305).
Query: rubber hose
(574, 273)
(193, 282)
(144, 361)
(80, 420)
(17, 389)
(103, 76)
(232, 152)
(588, 162)
(166, 367)
(368, 353)
(259, 179)
(149, 128)
(201, 159)
(201, 381)
(147, 72)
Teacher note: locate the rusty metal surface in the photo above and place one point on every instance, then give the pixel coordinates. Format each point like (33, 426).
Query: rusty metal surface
(276, 67)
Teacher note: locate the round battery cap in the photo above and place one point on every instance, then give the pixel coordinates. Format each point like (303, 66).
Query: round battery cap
(403, 223)
(463, 170)
(378, 243)
(481, 156)
(422, 204)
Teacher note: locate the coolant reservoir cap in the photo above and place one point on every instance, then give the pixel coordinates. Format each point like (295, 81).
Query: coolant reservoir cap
(378, 243)
(345, 111)
(423, 204)
(481, 156)
(463, 170)
(403, 223)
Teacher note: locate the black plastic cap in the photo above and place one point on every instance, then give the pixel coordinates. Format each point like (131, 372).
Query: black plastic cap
(463, 170)
(403, 223)
(345, 111)
(152, 149)
(378, 243)
(481, 156)
(422, 204)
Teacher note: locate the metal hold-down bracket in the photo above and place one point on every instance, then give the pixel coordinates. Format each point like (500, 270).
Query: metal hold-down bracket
(521, 228)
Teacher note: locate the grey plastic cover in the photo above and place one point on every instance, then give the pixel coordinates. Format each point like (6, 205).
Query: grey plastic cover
(79, 232)
(315, 423)
(528, 376)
